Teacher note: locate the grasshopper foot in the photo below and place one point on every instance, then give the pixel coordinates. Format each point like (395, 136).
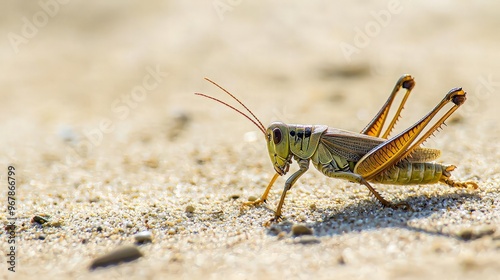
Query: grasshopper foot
(446, 179)
(464, 185)
(254, 203)
(401, 205)
(275, 219)
(396, 206)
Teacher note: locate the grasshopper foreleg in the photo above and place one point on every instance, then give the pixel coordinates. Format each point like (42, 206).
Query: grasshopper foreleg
(263, 197)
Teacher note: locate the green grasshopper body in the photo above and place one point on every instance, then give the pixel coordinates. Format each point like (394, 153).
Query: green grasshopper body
(369, 156)
(326, 148)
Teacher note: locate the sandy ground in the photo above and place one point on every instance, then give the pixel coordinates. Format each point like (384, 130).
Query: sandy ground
(101, 124)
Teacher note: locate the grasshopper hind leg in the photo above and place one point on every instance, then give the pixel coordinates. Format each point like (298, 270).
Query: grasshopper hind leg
(374, 128)
(445, 178)
(332, 172)
(384, 202)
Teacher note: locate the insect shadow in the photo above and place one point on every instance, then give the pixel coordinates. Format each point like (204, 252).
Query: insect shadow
(367, 215)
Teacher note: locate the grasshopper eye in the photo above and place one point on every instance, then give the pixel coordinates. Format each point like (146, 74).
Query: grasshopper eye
(276, 135)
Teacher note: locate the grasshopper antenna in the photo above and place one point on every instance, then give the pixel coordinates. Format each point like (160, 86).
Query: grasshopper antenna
(241, 103)
(257, 123)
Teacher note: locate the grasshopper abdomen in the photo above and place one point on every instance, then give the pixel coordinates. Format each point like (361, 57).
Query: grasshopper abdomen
(409, 173)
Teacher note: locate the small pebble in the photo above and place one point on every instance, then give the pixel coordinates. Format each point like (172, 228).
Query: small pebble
(300, 229)
(143, 237)
(123, 254)
(128, 224)
(252, 198)
(235, 196)
(152, 162)
(475, 233)
(340, 260)
(465, 234)
(189, 209)
(41, 237)
(39, 219)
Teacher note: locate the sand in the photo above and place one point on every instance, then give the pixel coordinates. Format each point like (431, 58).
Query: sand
(107, 139)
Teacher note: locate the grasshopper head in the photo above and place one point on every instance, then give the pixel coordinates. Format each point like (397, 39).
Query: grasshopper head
(278, 147)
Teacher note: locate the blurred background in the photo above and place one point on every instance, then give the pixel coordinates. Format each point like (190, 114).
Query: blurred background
(116, 78)
(99, 118)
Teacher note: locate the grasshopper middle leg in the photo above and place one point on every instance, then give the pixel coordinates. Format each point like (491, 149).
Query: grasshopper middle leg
(303, 167)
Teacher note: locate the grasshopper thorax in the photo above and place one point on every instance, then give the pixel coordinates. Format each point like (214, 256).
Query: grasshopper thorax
(287, 140)
(278, 146)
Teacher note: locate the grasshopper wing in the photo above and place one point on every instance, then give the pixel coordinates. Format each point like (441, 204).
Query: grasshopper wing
(422, 154)
(349, 145)
(353, 146)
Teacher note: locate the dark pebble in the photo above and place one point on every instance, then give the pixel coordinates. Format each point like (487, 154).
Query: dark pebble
(40, 220)
(299, 229)
(123, 254)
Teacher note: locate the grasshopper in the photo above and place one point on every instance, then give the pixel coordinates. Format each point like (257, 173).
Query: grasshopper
(368, 156)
